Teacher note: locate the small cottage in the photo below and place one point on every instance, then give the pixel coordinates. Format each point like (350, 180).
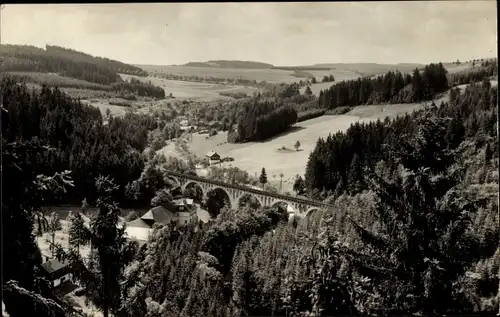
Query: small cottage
(213, 157)
(57, 272)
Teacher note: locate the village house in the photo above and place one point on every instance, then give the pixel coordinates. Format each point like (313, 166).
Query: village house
(57, 272)
(178, 212)
(213, 157)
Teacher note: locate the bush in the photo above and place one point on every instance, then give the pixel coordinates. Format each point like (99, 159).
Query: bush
(118, 102)
(233, 137)
(310, 114)
(339, 111)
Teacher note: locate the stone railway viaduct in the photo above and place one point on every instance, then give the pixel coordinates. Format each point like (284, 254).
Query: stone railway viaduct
(234, 192)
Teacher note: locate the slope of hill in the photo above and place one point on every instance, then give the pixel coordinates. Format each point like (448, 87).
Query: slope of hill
(230, 64)
(114, 65)
(371, 68)
(65, 62)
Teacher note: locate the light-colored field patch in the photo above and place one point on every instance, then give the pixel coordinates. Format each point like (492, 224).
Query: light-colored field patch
(61, 238)
(454, 68)
(56, 80)
(340, 71)
(104, 105)
(185, 90)
(253, 156)
(269, 75)
(316, 88)
(170, 150)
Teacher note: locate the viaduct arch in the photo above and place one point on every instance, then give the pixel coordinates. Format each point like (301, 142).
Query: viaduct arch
(301, 207)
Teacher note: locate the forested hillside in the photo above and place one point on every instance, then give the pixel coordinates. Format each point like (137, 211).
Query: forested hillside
(79, 140)
(66, 62)
(271, 112)
(337, 163)
(66, 68)
(419, 234)
(413, 227)
(396, 87)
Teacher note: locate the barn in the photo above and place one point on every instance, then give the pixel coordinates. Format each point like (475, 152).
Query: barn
(213, 157)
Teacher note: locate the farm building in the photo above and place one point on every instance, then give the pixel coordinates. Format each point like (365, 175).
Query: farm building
(213, 157)
(180, 211)
(57, 272)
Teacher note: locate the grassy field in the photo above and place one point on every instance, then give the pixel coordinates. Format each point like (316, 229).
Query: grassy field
(340, 71)
(104, 106)
(51, 79)
(203, 92)
(269, 75)
(454, 68)
(253, 156)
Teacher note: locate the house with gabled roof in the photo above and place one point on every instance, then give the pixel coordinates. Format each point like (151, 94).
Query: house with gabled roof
(178, 212)
(213, 157)
(57, 272)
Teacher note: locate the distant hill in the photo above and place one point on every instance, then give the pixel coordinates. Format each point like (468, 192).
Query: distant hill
(230, 64)
(364, 68)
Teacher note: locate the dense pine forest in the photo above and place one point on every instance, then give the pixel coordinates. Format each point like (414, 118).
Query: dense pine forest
(77, 135)
(413, 227)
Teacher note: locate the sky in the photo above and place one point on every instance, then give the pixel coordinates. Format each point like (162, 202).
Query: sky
(277, 33)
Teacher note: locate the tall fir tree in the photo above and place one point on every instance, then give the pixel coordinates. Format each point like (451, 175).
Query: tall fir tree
(263, 177)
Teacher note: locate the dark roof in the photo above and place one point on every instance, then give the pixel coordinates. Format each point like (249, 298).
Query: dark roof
(158, 214)
(54, 265)
(212, 153)
(138, 223)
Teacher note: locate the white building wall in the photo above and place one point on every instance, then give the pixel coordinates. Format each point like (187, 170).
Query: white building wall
(62, 279)
(182, 217)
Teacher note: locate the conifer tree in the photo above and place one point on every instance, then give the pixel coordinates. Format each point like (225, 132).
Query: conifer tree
(103, 272)
(77, 232)
(263, 177)
(424, 244)
(355, 174)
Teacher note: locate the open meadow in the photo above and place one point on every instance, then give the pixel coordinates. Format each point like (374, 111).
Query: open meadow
(253, 156)
(185, 90)
(341, 71)
(269, 75)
